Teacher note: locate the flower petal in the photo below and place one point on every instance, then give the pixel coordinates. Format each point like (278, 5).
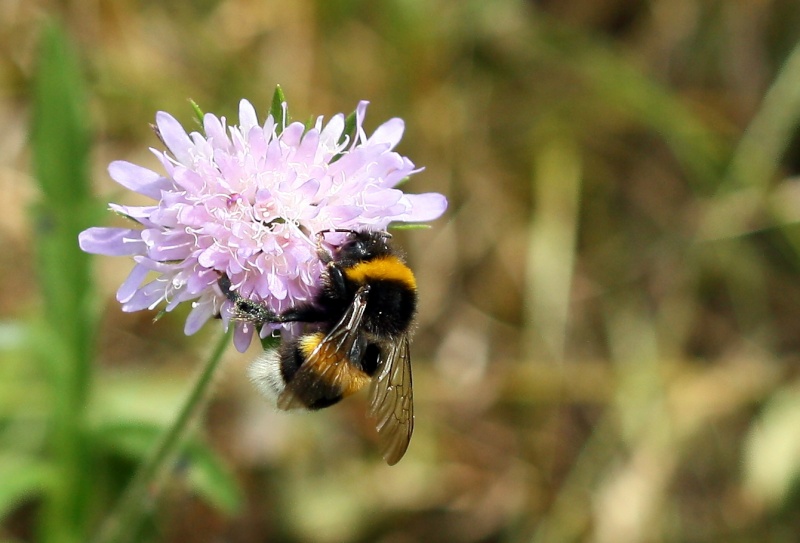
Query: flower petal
(423, 207)
(330, 135)
(111, 241)
(361, 112)
(140, 214)
(215, 132)
(292, 134)
(138, 179)
(247, 116)
(175, 137)
(245, 201)
(131, 284)
(202, 310)
(167, 245)
(390, 132)
(147, 297)
(242, 335)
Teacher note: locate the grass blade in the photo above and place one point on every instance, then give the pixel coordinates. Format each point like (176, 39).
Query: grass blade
(60, 143)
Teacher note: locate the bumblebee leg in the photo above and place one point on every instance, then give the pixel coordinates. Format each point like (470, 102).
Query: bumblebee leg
(227, 289)
(311, 313)
(337, 279)
(245, 309)
(322, 253)
(306, 313)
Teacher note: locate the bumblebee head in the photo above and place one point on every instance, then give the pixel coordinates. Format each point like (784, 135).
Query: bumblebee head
(361, 246)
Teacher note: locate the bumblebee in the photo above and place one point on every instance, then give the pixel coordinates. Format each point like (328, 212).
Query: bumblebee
(356, 330)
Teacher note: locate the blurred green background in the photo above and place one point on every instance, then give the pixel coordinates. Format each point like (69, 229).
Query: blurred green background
(607, 348)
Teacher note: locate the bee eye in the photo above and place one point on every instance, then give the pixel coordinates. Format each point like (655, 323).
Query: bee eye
(358, 248)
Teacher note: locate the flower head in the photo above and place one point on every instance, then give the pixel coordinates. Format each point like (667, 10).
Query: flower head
(247, 201)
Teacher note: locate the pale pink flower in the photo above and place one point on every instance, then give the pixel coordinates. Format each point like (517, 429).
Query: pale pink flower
(247, 201)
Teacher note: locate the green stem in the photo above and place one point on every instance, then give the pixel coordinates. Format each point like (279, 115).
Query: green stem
(123, 522)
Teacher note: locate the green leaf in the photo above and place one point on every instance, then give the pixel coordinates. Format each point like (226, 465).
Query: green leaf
(409, 226)
(349, 131)
(60, 143)
(198, 113)
(207, 474)
(270, 342)
(60, 131)
(21, 479)
(60, 149)
(131, 439)
(278, 111)
(160, 315)
(625, 88)
(125, 518)
(210, 477)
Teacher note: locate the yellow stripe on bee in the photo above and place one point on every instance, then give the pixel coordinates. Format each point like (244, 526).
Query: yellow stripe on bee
(309, 342)
(331, 366)
(387, 268)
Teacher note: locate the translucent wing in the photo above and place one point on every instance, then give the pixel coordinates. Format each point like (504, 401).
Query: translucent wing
(328, 372)
(392, 400)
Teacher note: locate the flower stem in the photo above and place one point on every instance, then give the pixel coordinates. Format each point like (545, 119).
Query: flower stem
(123, 523)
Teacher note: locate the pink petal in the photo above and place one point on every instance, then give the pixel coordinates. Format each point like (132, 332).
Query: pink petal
(131, 284)
(202, 311)
(247, 117)
(111, 241)
(174, 137)
(390, 132)
(307, 150)
(140, 214)
(242, 335)
(215, 132)
(361, 112)
(329, 137)
(146, 297)
(167, 245)
(340, 213)
(424, 207)
(291, 134)
(138, 179)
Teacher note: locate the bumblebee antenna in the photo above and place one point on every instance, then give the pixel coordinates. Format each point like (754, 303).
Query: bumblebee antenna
(321, 233)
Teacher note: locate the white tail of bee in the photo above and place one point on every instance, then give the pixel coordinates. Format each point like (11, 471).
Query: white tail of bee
(265, 374)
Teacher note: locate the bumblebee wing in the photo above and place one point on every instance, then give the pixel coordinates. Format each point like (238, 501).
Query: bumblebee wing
(327, 370)
(392, 400)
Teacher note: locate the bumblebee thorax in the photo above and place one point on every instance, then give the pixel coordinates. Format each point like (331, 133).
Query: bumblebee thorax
(383, 268)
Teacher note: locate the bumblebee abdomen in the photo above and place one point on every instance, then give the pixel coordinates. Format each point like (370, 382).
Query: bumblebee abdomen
(328, 375)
